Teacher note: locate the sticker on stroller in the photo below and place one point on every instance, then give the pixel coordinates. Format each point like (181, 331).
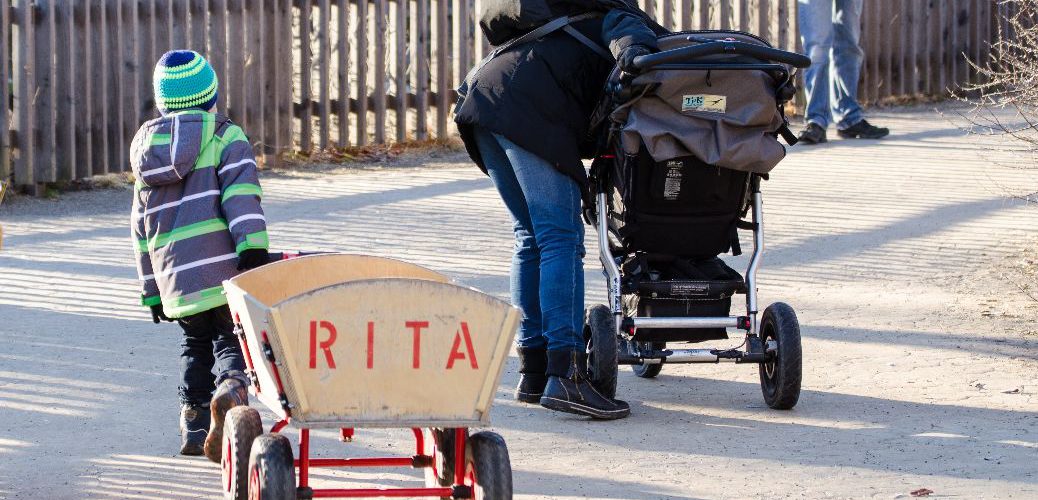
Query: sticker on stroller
(672, 183)
(706, 103)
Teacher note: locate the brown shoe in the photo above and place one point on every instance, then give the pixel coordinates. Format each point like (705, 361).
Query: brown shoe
(231, 392)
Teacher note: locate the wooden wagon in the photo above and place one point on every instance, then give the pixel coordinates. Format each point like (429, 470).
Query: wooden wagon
(348, 341)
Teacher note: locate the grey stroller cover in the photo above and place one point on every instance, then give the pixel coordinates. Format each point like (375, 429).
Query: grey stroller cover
(729, 119)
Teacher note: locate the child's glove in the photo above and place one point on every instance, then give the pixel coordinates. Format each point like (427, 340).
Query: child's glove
(252, 258)
(626, 58)
(157, 315)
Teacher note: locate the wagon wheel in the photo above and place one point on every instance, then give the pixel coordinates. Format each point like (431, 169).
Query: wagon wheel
(780, 375)
(272, 474)
(442, 471)
(487, 468)
(241, 427)
(600, 336)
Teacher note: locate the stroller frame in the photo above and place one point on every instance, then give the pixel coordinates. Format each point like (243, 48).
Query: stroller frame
(625, 326)
(772, 337)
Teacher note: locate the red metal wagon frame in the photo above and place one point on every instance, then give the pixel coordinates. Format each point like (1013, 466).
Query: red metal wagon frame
(304, 462)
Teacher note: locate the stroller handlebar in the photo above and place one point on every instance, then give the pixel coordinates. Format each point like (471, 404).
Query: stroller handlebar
(690, 53)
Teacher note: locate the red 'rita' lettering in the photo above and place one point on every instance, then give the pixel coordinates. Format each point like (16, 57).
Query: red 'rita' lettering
(456, 353)
(417, 326)
(324, 345)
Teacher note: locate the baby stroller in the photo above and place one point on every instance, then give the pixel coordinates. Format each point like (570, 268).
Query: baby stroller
(690, 138)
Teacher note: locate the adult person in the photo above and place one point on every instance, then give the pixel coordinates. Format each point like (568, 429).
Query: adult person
(830, 30)
(523, 115)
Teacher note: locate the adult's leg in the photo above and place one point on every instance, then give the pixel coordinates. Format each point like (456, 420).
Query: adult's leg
(196, 361)
(814, 17)
(525, 274)
(553, 202)
(847, 57)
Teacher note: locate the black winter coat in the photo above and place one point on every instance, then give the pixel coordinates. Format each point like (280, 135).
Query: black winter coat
(540, 95)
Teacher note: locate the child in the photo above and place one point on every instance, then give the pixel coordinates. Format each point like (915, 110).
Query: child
(196, 221)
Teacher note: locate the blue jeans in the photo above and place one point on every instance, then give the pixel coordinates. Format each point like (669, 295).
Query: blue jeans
(209, 342)
(830, 30)
(547, 278)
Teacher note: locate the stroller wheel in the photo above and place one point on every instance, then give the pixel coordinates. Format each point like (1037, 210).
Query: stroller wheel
(600, 336)
(650, 370)
(780, 376)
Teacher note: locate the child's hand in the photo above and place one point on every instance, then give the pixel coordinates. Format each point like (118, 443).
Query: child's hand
(157, 315)
(252, 258)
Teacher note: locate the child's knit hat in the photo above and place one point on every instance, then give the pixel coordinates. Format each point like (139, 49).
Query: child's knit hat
(183, 79)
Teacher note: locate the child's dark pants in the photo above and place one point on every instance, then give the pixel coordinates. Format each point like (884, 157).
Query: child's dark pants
(209, 342)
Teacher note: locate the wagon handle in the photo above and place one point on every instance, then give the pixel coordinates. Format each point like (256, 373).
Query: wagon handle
(692, 52)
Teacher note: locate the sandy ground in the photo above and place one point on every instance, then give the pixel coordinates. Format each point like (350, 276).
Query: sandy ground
(919, 365)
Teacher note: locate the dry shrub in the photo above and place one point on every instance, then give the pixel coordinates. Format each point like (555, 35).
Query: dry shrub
(1010, 80)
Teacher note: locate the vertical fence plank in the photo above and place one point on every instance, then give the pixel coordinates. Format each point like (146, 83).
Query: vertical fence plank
(764, 19)
(217, 41)
(305, 73)
(24, 88)
(362, 72)
(649, 7)
(423, 73)
(286, 86)
(5, 96)
(667, 19)
(343, 50)
(84, 81)
(744, 15)
(962, 23)
(725, 12)
(133, 69)
(324, 85)
(381, 15)
(685, 14)
(64, 59)
(400, 57)
(908, 32)
(258, 66)
(198, 25)
(45, 99)
(235, 95)
(443, 67)
(783, 24)
(275, 66)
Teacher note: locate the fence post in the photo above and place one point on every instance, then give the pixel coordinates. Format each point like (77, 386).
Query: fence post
(343, 48)
(5, 96)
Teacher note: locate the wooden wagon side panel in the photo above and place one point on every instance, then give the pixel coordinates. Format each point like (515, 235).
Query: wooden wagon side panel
(393, 352)
(255, 320)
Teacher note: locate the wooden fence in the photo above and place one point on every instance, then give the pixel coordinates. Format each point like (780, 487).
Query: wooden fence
(301, 75)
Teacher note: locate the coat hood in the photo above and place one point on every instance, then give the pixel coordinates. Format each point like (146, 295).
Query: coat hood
(166, 149)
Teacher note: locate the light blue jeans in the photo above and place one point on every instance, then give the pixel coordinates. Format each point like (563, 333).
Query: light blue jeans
(547, 277)
(830, 30)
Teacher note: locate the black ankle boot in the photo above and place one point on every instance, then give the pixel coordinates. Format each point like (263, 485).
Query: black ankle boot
(194, 427)
(569, 391)
(533, 363)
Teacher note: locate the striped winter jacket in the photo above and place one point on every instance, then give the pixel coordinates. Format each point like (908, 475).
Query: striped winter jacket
(196, 207)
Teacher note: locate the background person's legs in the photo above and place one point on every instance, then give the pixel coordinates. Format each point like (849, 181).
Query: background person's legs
(845, 66)
(815, 19)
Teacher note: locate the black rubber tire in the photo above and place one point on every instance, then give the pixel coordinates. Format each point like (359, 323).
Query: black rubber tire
(272, 475)
(600, 336)
(650, 370)
(780, 377)
(241, 427)
(488, 469)
(443, 474)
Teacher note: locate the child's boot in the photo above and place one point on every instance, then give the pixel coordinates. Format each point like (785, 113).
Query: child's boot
(194, 426)
(233, 391)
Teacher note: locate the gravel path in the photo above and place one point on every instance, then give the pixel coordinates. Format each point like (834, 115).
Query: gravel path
(919, 356)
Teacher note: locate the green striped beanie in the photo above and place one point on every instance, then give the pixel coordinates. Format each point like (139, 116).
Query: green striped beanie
(183, 79)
